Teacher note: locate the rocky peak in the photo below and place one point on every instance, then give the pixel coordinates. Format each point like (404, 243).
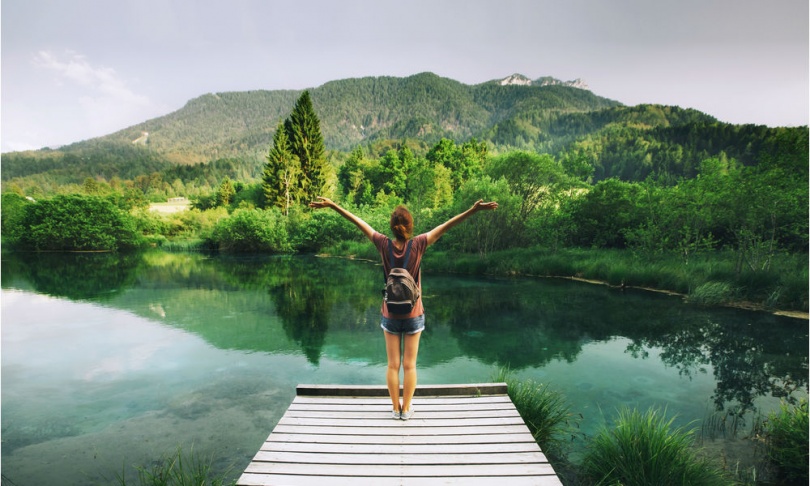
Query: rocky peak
(521, 80)
(515, 80)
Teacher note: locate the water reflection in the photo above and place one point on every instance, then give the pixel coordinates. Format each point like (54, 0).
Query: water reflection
(306, 305)
(77, 276)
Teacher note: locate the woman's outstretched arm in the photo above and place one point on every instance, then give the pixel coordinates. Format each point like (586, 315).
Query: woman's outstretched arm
(323, 202)
(437, 232)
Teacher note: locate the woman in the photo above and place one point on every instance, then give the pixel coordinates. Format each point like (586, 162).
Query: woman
(401, 328)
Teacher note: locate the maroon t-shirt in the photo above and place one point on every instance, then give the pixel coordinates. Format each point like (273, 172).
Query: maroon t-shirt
(418, 248)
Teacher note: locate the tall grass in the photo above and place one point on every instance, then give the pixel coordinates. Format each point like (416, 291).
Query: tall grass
(645, 449)
(178, 469)
(545, 411)
(786, 439)
(710, 278)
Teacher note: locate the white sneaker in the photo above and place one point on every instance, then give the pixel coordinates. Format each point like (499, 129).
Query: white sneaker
(407, 415)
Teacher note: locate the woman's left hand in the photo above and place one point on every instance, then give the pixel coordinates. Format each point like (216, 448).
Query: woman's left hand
(322, 202)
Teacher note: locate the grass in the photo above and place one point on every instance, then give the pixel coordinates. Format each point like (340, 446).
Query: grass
(178, 469)
(644, 449)
(710, 278)
(786, 439)
(545, 411)
(712, 293)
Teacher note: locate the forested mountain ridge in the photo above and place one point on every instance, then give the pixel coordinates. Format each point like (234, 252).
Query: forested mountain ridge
(236, 130)
(352, 111)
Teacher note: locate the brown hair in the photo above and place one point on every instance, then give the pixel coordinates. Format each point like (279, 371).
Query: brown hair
(402, 223)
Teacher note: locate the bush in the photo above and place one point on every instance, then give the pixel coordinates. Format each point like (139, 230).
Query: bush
(253, 230)
(643, 449)
(75, 223)
(786, 436)
(13, 209)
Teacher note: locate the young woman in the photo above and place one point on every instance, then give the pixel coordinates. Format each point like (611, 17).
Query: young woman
(403, 328)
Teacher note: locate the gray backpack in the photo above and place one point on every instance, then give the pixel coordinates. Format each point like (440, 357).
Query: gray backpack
(401, 290)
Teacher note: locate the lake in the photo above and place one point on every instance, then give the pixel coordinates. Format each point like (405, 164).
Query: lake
(110, 361)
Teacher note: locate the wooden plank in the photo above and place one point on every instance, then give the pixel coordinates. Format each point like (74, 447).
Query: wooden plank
(428, 406)
(418, 420)
(420, 448)
(386, 414)
(404, 470)
(524, 437)
(411, 430)
(474, 389)
(400, 459)
(387, 401)
(249, 479)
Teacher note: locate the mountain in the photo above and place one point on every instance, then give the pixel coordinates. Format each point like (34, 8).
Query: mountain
(235, 129)
(352, 112)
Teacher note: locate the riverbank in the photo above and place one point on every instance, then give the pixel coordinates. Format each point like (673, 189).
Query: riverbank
(707, 279)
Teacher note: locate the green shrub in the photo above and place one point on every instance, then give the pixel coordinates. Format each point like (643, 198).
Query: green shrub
(75, 223)
(786, 436)
(13, 209)
(253, 230)
(644, 449)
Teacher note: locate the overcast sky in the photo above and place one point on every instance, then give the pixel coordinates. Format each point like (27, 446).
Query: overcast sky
(73, 70)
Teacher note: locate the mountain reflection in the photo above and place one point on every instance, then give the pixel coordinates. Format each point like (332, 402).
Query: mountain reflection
(306, 305)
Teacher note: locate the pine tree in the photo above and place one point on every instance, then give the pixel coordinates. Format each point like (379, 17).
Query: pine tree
(281, 173)
(306, 142)
(226, 192)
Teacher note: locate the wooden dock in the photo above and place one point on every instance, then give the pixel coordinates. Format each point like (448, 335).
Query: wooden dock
(345, 435)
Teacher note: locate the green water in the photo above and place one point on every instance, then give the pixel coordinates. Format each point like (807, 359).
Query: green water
(112, 361)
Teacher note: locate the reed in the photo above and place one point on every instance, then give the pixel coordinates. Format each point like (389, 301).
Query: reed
(643, 449)
(178, 469)
(545, 412)
(786, 439)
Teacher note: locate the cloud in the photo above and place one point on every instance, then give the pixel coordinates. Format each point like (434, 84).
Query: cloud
(107, 102)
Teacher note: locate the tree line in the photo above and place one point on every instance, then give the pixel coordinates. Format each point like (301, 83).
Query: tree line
(752, 205)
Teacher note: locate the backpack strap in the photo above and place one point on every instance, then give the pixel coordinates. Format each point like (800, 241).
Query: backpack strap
(392, 260)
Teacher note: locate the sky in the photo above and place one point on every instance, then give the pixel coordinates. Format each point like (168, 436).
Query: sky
(78, 69)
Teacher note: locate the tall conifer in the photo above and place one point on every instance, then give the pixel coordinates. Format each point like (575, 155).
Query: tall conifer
(306, 142)
(281, 173)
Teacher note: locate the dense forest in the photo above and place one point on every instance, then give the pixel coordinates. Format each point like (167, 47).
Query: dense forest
(570, 171)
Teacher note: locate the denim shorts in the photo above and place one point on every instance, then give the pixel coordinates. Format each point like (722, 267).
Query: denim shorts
(411, 325)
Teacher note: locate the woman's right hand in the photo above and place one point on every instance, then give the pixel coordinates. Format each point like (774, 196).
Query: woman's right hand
(481, 205)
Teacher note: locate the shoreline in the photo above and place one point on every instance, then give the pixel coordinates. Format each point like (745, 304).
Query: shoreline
(744, 305)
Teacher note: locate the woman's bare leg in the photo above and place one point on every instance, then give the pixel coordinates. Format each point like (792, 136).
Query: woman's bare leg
(393, 343)
(409, 367)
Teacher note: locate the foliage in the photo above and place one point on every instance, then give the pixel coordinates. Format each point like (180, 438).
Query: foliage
(644, 448)
(487, 231)
(252, 230)
(303, 130)
(13, 209)
(544, 411)
(712, 293)
(280, 172)
(786, 437)
(178, 469)
(74, 223)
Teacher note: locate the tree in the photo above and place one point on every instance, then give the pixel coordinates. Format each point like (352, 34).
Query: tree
(306, 142)
(281, 173)
(393, 173)
(226, 192)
